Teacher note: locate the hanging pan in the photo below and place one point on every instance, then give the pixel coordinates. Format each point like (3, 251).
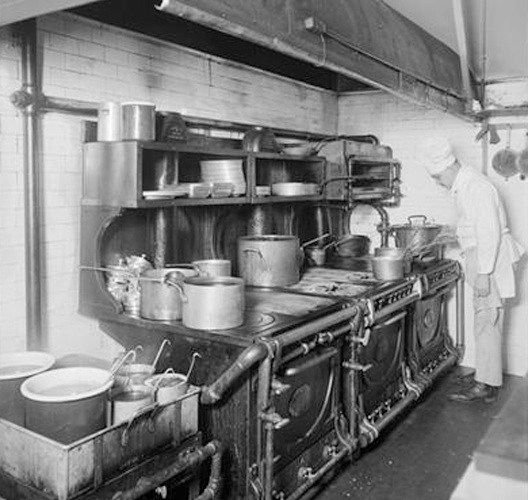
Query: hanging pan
(504, 161)
(522, 161)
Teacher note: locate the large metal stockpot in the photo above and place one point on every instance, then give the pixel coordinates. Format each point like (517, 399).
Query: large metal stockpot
(269, 260)
(213, 303)
(159, 299)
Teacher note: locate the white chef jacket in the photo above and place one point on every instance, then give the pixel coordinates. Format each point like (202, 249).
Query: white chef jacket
(482, 229)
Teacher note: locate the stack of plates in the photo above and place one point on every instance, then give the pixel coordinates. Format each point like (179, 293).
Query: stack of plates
(262, 190)
(222, 189)
(225, 171)
(194, 189)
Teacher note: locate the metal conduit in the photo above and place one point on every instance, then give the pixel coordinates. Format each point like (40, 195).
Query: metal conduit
(35, 335)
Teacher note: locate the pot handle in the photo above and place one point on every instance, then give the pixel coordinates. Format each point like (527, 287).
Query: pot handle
(175, 284)
(151, 408)
(423, 218)
(259, 253)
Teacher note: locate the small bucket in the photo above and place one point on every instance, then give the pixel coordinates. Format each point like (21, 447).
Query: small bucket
(213, 267)
(124, 403)
(169, 386)
(15, 368)
(109, 121)
(139, 121)
(133, 374)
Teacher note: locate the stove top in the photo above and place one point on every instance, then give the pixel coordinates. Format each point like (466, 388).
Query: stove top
(334, 282)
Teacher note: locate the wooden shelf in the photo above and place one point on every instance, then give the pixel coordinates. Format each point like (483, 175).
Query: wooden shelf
(117, 173)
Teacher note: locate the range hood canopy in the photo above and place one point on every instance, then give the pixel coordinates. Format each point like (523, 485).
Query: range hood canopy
(341, 45)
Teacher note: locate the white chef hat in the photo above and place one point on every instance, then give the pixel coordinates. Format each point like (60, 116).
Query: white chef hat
(438, 155)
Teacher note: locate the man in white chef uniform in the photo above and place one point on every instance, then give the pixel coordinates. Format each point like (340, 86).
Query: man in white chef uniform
(490, 254)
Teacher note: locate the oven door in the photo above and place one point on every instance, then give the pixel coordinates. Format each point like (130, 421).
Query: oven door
(428, 334)
(380, 380)
(308, 402)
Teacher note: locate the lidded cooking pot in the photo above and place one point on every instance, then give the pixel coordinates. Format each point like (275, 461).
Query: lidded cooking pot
(416, 234)
(269, 260)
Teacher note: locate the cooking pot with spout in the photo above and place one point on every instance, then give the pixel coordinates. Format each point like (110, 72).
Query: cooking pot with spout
(269, 260)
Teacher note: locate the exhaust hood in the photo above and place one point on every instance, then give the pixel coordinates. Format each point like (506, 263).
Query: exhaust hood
(342, 45)
(365, 40)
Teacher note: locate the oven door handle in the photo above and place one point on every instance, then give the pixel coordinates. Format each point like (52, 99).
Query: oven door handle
(392, 319)
(295, 370)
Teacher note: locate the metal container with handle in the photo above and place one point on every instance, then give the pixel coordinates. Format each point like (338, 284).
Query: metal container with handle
(269, 260)
(415, 234)
(159, 300)
(216, 303)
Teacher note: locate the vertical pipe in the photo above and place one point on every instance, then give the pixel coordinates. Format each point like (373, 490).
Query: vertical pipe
(263, 395)
(460, 333)
(34, 333)
(162, 223)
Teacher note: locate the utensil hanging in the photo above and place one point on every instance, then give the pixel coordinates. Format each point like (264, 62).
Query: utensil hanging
(191, 366)
(504, 161)
(522, 160)
(165, 342)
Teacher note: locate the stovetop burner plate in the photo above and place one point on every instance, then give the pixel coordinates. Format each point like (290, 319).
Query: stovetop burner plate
(257, 319)
(334, 282)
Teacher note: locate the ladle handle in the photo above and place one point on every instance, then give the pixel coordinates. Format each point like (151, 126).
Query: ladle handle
(193, 361)
(160, 350)
(107, 270)
(314, 240)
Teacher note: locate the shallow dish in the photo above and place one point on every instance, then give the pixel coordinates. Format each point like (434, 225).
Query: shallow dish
(295, 189)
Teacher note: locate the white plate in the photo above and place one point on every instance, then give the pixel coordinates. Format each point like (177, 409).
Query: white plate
(162, 195)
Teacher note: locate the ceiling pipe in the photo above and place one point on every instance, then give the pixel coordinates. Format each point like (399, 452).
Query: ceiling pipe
(26, 99)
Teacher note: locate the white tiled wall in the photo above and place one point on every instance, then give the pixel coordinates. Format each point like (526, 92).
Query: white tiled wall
(91, 62)
(88, 61)
(404, 127)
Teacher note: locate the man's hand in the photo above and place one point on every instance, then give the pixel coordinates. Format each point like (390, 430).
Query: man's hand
(482, 285)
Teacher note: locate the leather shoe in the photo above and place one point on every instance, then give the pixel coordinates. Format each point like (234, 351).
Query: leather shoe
(477, 392)
(466, 378)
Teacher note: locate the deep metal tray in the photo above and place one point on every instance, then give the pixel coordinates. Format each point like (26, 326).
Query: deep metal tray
(63, 471)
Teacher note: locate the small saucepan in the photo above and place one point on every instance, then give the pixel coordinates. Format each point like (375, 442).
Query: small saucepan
(354, 245)
(316, 255)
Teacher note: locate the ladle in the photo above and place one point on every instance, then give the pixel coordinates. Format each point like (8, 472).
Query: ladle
(328, 245)
(160, 350)
(115, 368)
(193, 361)
(309, 242)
